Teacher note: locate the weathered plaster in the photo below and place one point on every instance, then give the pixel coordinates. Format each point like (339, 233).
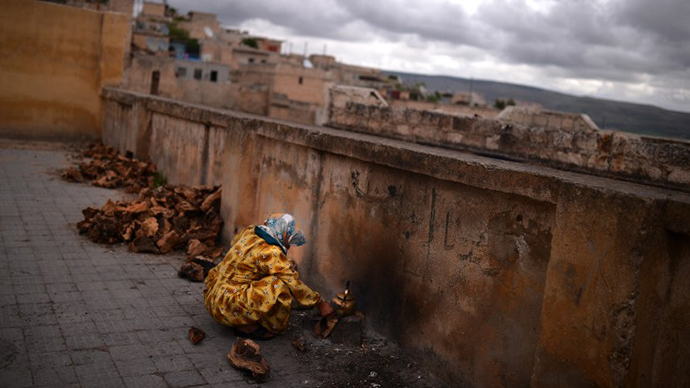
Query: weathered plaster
(495, 273)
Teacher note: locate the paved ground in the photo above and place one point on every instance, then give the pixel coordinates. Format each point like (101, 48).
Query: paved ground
(74, 313)
(81, 314)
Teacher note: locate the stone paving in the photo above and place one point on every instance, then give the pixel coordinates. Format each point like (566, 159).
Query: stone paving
(77, 314)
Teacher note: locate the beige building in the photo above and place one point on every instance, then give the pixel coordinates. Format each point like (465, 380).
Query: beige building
(216, 50)
(231, 36)
(153, 9)
(265, 82)
(293, 92)
(466, 98)
(120, 6)
(150, 33)
(153, 43)
(351, 75)
(247, 56)
(193, 81)
(267, 44)
(201, 25)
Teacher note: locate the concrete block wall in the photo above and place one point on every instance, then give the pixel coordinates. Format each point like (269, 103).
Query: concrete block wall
(662, 162)
(495, 273)
(51, 72)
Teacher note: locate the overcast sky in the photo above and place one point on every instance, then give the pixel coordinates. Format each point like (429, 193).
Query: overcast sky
(628, 50)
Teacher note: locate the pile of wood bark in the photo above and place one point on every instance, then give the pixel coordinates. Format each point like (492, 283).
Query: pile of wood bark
(160, 221)
(105, 167)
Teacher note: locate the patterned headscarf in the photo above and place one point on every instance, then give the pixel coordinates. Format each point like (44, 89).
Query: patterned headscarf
(284, 229)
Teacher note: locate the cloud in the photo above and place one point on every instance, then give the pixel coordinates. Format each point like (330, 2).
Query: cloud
(641, 47)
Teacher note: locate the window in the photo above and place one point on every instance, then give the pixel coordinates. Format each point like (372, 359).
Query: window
(214, 76)
(301, 80)
(155, 79)
(197, 73)
(263, 61)
(250, 60)
(182, 72)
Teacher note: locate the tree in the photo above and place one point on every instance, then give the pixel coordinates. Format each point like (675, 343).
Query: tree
(192, 47)
(180, 35)
(499, 104)
(250, 42)
(436, 97)
(177, 34)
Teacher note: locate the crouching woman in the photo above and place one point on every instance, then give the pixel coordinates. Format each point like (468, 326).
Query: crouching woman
(252, 289)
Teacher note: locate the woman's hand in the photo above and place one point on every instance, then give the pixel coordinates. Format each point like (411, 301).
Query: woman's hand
(324, 307)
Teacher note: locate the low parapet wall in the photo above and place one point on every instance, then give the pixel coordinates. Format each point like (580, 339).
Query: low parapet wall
(649, 160)
(497, 274)
(563, 121)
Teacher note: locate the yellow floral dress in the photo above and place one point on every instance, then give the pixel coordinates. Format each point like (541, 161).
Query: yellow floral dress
(255, 283)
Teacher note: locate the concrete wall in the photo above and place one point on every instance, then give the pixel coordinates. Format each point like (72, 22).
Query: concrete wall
(138, 75)
(287, 99)
(312, 89)
(153, 9)
(121, 6)
(173, 84)
(463, 110)
(197, 22)
(216, 50)
(495, 273)
(569, 122)
(154, 43)
(222, 71)
(658, 161)
(51, 72)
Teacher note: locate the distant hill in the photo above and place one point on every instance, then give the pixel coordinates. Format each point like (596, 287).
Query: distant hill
(624, 116)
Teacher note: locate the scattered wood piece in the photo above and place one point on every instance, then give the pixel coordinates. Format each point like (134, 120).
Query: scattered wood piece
(325, 326)
(106, 168)
(162, 219)
(143, 244)
(72, 175)
(151, 223)
(195, 247)
(208, 202)
(196, 335)
(150, 226)
(245, 355)
(192, 272)
(167, 243)
(300, 344)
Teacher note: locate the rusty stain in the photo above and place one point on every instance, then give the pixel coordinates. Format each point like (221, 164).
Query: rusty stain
(432, 218)
(445, 238)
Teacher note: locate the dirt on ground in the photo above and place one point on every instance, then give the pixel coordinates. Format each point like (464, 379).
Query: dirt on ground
(377, 363)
